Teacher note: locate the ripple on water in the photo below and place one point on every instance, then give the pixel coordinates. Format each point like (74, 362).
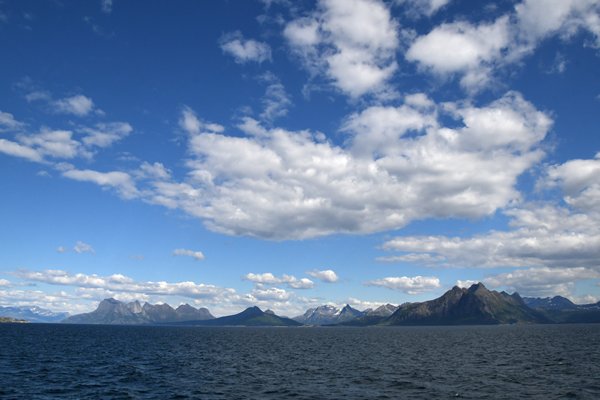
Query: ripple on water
(70, 361)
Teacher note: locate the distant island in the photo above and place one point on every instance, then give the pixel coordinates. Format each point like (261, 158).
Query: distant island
(475, 305)
(8, 320)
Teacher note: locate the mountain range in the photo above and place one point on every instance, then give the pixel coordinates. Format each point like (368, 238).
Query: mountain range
(458, 306)
(32, 314)
(114, 312)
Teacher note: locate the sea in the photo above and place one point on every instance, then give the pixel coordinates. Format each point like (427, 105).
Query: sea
(46, 361)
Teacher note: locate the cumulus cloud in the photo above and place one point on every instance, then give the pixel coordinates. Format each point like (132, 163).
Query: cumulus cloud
(122, 283)
(408, 285)
(196, 255)
(475, 50)
(61, 249)
(4, 282)
(399, 164)
(466, 283)
(351, 42)
(269, 279)
(245, 50)
(82, 247)
(327, 275)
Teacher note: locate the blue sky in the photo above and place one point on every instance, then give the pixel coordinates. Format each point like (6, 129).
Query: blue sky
(291, 154)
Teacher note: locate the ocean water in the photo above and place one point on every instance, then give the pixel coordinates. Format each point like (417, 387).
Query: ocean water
(475, 362)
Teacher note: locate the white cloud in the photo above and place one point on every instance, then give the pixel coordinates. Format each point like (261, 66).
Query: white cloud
(17, 150)
(4, 282)
(539, 234)
(271, 294)
(245, 50)
(190, 123)
(466, 283)
(78, 105)
(269, 279)
(408, 285)
(351, 42)
(105, 134)
(120, 181)
(422, 7)
(542, 281)
(276, 100)
(8, 122)
(54, 143)
(196, 255)
(476, 51)
(121, 283)
(279, 184)
(61, 249)
(462, 47)
(326, 275)
(82, 247)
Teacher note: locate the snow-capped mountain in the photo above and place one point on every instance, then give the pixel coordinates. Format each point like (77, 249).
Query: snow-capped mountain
(33, 314)
(328, 315)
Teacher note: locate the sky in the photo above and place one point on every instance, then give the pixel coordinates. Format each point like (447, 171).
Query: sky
(289, 154)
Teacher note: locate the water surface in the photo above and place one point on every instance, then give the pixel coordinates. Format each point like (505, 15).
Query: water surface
(40, 361)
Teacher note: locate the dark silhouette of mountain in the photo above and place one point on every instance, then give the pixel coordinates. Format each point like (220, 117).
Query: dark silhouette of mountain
(460, 306)
(32, 314)
(114, 312)
(252, 316)
(328, 315)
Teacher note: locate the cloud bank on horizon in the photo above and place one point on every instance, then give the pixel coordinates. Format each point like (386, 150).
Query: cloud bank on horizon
(408, 145)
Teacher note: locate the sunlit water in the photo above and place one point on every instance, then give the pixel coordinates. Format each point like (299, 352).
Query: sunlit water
(88, 362)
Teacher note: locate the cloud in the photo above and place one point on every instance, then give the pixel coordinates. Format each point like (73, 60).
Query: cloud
(539, 234)
(81, 247)
(270, 279)
(54, 143)
(190, 123)
(462, 47)
(17, 150)
(271, 294)
(106, 6)
(477, 51)
(327, 275)
(122, 182)
(245, 50)
(276, 100)
(398, 164)
(350, 42)
(542, 281)
(196, 255)
(61, 249)
(466, 283)
(105, 134)
(125, 284)
(408, 285)
(8, 122)
(78, 105)
(416, 8)
(4, 282)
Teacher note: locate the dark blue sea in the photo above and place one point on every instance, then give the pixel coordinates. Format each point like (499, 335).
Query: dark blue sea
(40, 361)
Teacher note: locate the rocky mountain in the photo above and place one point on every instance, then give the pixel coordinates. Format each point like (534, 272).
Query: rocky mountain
(114, 312)
(32, 314)
(252, 316)
(550, 303)
(382, 311)
(461, 306)
(328, 315)
(561, 310)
